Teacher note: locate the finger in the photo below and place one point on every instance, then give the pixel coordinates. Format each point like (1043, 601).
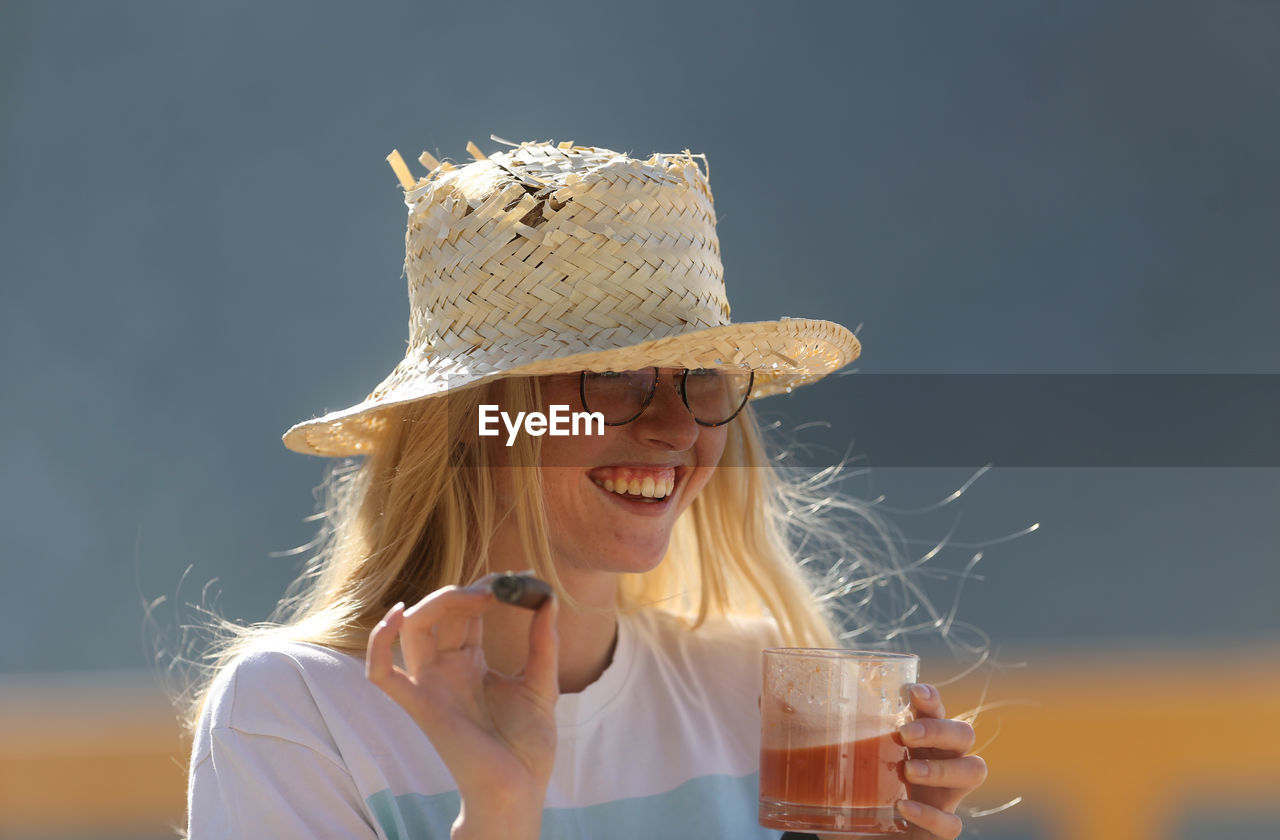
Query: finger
(954, 736)
(419, 648)
(448, 602)
(378, 658)
(541, 670)
(475, 632)
(959, 774)
(483, 584)
(379, 663)
(926, 700)
(938, 823)
(439, 622)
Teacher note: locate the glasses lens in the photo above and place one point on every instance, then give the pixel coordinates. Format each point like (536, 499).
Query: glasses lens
(716, 396)
(619, 395)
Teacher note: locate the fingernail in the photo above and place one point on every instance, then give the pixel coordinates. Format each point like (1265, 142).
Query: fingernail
(908, 808)
(912, 731)
(922, 691)
(919, 769)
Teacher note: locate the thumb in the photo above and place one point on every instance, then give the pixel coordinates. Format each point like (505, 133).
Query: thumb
(542, 668)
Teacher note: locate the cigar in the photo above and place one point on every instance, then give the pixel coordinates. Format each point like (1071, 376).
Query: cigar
(520, 590)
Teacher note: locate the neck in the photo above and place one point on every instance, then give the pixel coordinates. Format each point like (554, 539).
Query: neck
(587, 633)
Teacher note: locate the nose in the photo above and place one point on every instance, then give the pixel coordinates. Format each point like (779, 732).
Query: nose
(666, 422)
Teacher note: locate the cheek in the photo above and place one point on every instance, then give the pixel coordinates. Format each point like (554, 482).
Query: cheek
(711, 443)
(710, 447)
(697, 481)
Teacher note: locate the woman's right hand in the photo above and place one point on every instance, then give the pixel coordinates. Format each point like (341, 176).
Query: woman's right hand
(495, 733)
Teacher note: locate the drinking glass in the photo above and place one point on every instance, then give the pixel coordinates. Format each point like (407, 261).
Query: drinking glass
(830, 755)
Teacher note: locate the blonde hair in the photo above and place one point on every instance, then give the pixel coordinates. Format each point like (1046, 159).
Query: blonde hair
(419, 511)
(730, 555)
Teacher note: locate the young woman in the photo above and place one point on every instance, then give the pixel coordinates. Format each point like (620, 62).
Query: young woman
(546, 280)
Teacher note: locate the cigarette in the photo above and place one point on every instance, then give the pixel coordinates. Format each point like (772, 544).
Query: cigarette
(521, 590)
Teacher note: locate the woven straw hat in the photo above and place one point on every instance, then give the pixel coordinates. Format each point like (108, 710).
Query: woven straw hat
(560, 258)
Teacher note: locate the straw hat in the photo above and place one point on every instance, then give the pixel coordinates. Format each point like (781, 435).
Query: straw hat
(559, 258)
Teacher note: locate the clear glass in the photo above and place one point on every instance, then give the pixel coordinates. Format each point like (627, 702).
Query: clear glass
(830, 755)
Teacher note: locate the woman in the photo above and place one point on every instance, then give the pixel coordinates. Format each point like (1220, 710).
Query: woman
(547, 276)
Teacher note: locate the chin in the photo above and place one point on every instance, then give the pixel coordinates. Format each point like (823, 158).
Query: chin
(648, 564)
(639, 561)
(628, 563)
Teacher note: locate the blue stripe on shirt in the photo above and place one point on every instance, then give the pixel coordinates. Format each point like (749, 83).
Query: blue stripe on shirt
(705, 808)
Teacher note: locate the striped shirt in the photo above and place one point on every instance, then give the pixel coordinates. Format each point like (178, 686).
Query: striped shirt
(296, 743)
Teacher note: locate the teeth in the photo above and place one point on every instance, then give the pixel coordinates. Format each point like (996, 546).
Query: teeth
(647, 487)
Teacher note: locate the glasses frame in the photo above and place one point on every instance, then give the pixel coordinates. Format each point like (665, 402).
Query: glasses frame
(684, 396)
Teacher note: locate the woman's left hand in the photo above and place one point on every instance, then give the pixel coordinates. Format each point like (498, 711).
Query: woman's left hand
(939, 774)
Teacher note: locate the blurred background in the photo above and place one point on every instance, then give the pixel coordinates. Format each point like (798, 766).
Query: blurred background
(202, 245)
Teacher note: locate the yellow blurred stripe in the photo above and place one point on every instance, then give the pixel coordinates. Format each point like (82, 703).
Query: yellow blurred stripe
(90, 753)
(1117, 745)
(1126, 743)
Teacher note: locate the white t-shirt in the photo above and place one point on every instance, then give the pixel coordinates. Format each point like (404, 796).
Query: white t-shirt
(296, 743)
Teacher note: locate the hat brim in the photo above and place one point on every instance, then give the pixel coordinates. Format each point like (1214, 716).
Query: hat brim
(784, 354)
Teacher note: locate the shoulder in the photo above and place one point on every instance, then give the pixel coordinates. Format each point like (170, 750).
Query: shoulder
(284, 689)
(279, 705)
(274, 754)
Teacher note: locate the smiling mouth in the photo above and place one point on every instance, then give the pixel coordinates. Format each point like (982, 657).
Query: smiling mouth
(656, 483)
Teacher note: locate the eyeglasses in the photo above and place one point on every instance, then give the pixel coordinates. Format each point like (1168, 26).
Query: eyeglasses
(713, 396)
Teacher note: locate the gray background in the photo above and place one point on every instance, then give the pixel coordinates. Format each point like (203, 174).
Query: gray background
(202, 245)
